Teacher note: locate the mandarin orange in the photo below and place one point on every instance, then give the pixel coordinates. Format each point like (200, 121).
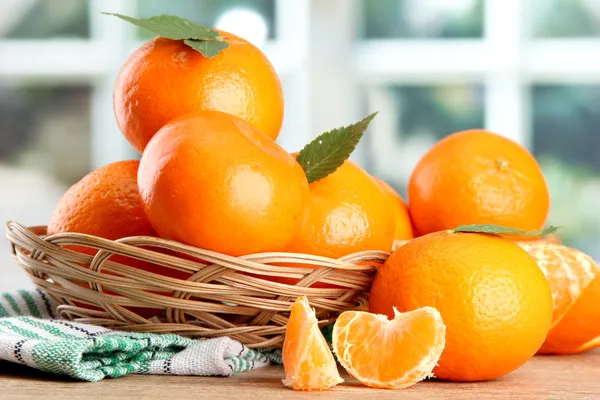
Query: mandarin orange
(165, 79)
(346, 212)
(106, 203)
(477, 177)
(493, 299)
(214, 181)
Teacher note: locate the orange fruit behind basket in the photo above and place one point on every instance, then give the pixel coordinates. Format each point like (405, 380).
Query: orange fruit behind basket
(106, 203)
(477, 177)
(165, 79)
(307, 360)
(494, 300)
(346, 212)
(214, 181)
(389, 354)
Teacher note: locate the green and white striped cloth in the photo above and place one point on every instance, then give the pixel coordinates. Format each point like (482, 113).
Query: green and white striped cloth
(31, 334)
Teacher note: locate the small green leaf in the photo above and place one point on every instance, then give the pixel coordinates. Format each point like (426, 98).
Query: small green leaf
(201, 38)
(328, 151)
(208, 49)
(171, 27)
(502, 231)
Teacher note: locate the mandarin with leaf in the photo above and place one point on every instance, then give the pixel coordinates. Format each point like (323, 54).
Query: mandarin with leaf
(165, 79)
(347, 211)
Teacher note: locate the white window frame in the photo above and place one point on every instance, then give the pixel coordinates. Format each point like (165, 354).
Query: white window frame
(324, 69)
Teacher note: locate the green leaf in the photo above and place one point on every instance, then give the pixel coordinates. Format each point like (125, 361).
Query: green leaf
(501, 230)
(201, 38)
(328, 151)
(171, 27)
(208, 49)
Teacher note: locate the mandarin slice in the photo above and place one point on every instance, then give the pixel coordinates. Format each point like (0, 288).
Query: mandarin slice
(390, 354)
(307, 360)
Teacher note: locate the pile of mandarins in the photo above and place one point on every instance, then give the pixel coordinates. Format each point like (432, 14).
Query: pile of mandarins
(462, 305)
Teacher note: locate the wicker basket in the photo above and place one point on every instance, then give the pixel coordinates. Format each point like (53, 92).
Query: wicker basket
(238, 297)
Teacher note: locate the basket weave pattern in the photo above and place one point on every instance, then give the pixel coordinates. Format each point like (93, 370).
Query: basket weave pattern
(240, 297)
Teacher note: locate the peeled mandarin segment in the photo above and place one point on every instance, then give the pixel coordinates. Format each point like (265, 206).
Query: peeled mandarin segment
(568, 271)
(307, 360)
(389, 354)
(579, 329)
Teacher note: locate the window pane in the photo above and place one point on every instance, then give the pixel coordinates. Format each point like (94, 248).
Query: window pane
(248, 18)
(424, 114)
(421, 19)
(44, 148)
(44, 19)
(566, 141)
(566, 18)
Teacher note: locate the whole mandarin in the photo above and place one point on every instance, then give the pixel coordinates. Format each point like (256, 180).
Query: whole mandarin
(477, 177)
(346, 212)
(214, 181)
(165, 79)
(493, 299)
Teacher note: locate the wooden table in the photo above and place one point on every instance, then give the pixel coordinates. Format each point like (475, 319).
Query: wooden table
(543, 378)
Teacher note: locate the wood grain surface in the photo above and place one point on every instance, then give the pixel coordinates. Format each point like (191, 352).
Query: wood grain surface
(542, 378)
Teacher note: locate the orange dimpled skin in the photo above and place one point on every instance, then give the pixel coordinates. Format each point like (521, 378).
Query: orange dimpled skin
(494, 300)
(105, 203)
(347, 212)
(477, 177)
(214, 181)
(165, 79)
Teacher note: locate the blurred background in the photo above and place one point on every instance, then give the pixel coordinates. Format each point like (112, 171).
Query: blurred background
(528, 70)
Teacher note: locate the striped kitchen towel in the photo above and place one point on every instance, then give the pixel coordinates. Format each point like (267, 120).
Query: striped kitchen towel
(31, 334)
